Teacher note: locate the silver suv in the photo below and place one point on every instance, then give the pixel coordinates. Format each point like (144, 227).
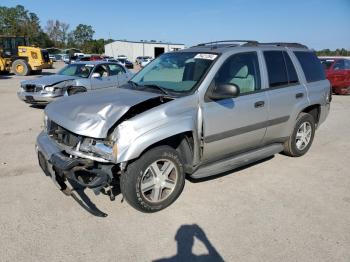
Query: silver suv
(199, 112)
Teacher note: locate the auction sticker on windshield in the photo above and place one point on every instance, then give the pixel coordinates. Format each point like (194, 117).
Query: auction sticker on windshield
(206, 56)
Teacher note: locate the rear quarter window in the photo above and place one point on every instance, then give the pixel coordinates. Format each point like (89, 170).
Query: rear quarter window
(311, 66)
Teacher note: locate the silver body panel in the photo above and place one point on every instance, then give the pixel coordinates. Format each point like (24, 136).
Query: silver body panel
(218, 128)
(42, 96)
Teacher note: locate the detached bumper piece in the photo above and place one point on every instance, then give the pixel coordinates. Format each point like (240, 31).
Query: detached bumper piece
(72, 175)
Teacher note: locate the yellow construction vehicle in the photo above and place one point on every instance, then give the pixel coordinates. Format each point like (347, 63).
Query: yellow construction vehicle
(25, 59)
(5, 64)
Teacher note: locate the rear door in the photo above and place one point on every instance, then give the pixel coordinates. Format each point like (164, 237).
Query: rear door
(285, 92)
(118, 75)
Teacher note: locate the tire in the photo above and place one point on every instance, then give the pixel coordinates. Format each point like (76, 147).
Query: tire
(296, 147)
(136, 182)
(21, 68)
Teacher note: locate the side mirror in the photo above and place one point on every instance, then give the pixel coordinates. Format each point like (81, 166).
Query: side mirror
(224, 91)
(96, 75)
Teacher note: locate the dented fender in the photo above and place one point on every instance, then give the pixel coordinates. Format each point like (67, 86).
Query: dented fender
(173, 118)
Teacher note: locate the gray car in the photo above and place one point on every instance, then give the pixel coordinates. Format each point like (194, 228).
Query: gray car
(72, 79)
(197, 112)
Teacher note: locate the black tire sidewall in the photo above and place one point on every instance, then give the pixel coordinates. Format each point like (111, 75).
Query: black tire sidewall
(131, 183)
(301, 119)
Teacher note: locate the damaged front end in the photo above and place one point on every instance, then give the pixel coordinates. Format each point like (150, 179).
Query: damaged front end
(74, 160)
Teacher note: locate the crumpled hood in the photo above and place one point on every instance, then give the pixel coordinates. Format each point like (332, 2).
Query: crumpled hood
(48, 80)
(92, 114)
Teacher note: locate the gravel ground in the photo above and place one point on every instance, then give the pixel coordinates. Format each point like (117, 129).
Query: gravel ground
(281, 209)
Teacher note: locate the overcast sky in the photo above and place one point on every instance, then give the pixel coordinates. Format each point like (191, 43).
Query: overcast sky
(316, 23)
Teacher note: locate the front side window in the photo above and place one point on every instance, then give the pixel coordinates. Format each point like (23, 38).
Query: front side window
(79, 70)
(311, 66)
(241, 70)
(176, 72)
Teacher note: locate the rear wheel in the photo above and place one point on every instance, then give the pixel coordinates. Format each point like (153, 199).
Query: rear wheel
(154, 181)
(303, 134)
(21, 68)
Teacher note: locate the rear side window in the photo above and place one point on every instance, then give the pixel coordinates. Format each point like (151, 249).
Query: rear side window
(311, 66)
(280, 69)
(292, 74)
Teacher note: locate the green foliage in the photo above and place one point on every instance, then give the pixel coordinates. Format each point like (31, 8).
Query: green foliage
(82, 35)
(337, 52)
(19, 21)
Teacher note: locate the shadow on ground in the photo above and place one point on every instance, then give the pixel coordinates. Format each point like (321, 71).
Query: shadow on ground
(184, 238)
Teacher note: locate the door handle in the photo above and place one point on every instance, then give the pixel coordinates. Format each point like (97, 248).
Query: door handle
(259, 104)
(299, 95)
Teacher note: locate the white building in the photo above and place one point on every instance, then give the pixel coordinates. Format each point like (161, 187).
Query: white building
(133, 49)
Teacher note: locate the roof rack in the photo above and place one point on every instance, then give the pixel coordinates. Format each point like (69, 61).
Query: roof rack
(232, 43)
(244, 42)
(285, 44)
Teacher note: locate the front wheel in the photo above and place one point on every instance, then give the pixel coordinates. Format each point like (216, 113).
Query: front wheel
(154, 181)
(303, 134)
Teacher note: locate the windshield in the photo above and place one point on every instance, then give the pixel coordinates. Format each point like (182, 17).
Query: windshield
(80, 70)
(177, 72)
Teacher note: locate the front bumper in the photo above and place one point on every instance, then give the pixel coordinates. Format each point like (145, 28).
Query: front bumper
(76, 170)
(37, 97)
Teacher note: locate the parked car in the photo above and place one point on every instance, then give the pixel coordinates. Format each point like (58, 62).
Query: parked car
(126, 63)
(338, 73)
(140, 58)
(74, 78)
(124, 57)
(96, 58)
(58, 57)
(145, 61)
(52, 58)
(199, 111)
(66, 59)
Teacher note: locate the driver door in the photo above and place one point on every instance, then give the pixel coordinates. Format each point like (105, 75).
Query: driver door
(104, 81)
(237, 124)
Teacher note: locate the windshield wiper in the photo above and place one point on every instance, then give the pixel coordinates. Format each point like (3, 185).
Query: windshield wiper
(133, 83)
(157, 87)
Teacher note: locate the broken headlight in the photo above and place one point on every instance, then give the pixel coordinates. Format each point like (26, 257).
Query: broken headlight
(59, 86)
(101, 148)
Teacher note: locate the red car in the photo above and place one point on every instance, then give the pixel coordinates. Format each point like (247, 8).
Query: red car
(338, 73)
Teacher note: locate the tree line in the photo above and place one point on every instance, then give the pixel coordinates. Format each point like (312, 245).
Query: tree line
(21, 22)
(337, 52)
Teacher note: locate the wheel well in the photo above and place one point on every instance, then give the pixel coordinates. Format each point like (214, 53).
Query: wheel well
(183, 143)
(76, 88)
(314, 110)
